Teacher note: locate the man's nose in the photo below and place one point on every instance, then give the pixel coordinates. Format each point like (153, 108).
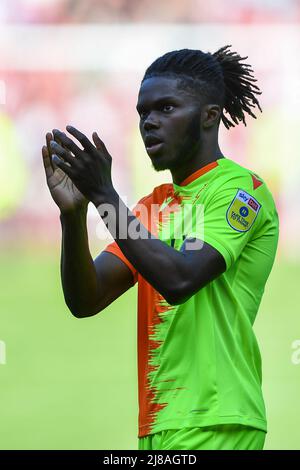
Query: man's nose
(151, 122)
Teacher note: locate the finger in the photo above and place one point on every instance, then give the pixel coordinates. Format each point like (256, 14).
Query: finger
(85, 142)
(47, 162)
(61, 152)
(62, 165)
(66, 142)
(49, 137)
(97, 141)
(100, 145)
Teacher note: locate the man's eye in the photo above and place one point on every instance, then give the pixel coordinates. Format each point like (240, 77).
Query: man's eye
(168, 107)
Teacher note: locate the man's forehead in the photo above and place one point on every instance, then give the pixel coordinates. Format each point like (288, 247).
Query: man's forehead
(159, 87)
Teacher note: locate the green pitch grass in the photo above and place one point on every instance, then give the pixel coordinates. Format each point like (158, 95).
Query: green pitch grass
(72, 383)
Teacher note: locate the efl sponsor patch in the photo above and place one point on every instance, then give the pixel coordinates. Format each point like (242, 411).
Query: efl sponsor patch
(242, 211)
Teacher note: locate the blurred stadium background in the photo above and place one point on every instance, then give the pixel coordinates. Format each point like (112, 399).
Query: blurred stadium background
(68, 383)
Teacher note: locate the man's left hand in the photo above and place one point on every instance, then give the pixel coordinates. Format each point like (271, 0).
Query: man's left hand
(89, 167)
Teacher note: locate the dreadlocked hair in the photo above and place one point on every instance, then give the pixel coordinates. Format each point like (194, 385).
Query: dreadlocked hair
(220, 77)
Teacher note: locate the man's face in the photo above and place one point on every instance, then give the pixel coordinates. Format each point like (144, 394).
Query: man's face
(169, 122)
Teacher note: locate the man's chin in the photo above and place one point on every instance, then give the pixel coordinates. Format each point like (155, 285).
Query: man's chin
(160, 164)
(160, 167)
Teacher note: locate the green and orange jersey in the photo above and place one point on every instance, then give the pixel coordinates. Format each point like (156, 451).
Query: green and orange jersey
(199, 362)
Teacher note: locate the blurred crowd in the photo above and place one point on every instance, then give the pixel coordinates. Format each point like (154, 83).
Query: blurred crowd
(169, 11)
(34, 101)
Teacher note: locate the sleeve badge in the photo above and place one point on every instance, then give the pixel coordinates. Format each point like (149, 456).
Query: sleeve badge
(242, 211)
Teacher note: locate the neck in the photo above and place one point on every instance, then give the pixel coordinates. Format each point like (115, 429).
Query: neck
(207, 154)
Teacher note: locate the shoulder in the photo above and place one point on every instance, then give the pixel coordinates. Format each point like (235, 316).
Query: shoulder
(243, 192)
(237, 179)
(158, 195)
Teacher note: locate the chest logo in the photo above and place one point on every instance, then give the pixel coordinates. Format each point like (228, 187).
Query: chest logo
(242, 211)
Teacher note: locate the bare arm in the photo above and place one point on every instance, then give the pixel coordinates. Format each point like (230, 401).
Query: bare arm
(90, 171)
(89, 286)
(176, 275)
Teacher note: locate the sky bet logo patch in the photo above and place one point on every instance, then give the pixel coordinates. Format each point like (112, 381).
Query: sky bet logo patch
(242, 211)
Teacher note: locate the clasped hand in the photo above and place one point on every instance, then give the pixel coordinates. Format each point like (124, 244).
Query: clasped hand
(89, 167)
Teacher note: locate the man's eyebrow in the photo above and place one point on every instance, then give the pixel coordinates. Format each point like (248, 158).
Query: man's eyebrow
(157, 101)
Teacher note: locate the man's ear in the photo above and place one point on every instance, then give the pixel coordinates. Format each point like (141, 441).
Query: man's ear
(211, 114)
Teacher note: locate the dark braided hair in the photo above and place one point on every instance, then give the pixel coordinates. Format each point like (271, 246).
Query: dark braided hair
(220, 77)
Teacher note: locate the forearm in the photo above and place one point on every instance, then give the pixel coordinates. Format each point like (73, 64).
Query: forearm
(78, 274)
(150, 256)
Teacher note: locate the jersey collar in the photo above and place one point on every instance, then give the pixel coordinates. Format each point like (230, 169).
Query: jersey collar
(198, 173)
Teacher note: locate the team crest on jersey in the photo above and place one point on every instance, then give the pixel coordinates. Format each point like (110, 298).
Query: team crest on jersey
(242, 211)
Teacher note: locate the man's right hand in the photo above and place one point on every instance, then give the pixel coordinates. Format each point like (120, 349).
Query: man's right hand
(63, 191)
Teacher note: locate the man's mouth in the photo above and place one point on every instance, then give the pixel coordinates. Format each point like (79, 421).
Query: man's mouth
(153, 144)
(154, 148)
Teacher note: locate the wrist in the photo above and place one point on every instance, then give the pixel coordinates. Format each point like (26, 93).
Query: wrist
(109, 196)
(74, 212)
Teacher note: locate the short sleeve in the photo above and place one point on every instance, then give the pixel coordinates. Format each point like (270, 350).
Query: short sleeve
(116, 250)
(230, 219)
